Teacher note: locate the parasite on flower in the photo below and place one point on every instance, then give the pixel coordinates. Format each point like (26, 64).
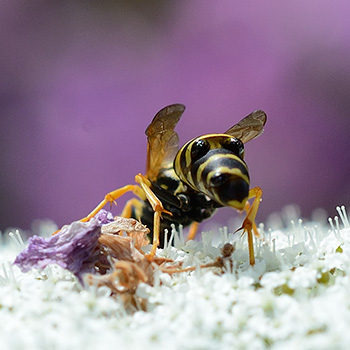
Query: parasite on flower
(185, 186)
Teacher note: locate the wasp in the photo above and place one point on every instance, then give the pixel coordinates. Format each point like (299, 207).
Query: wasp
(185, 186)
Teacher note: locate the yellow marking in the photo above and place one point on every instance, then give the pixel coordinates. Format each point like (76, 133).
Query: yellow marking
(225, 170)
(177, 166)
(179, 171)
(215, 157)
(190, 178)
(203, 165)
(237, 204)
(188, 157)
(188, 174)
(181, 188)
(201, 187)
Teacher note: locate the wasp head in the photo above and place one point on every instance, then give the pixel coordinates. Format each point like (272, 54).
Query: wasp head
(214, 165)
(229, 187)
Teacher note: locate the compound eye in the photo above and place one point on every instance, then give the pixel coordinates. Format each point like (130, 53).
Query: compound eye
(218, 179)
(199, 149)
(234, 145)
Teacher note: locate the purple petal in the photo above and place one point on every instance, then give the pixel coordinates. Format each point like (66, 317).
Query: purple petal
(74, 248)
(104, 217)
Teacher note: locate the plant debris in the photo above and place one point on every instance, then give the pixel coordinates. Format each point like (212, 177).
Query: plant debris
(104, 251)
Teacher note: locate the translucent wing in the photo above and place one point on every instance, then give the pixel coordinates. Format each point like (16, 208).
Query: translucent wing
(163, 141)
(249, 127)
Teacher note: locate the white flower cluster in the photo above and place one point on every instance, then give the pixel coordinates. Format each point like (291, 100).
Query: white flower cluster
(297, 296)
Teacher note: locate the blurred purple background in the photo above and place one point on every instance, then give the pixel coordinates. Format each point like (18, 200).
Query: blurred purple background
(80, 81)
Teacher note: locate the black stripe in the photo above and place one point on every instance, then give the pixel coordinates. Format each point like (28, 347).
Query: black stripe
(236, 189)
(214, 164)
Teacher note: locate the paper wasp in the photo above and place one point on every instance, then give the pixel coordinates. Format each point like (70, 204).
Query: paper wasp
(185, 186)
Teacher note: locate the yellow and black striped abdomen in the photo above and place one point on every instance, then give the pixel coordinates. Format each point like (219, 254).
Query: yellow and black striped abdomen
(214, 165)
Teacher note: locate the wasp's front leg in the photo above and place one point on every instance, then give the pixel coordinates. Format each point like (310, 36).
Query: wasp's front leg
(111, 197)
(193, 231)
(249, 221)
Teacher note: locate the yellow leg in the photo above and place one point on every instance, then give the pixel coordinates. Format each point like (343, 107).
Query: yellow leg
(130, 204)
(193, 231)
(255, 229)
(157, 207)
(111, 198)
(249, 222)
(144, 192)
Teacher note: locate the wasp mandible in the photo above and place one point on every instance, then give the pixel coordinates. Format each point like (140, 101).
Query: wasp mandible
(185, 186)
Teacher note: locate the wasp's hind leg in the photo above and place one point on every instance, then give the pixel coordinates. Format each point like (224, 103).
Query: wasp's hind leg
(249, 225)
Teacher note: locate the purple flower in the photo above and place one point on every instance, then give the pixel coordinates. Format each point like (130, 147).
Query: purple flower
(74, 247)
(104, 217)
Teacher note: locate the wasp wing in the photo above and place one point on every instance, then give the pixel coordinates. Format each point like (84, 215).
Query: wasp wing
(249, 127)
(163, 141)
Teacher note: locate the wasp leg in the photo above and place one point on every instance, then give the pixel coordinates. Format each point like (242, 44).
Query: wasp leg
(157, 207)
(111, 198)
(255, 229)
(131, 204)
(249, 221)
(193, 231)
